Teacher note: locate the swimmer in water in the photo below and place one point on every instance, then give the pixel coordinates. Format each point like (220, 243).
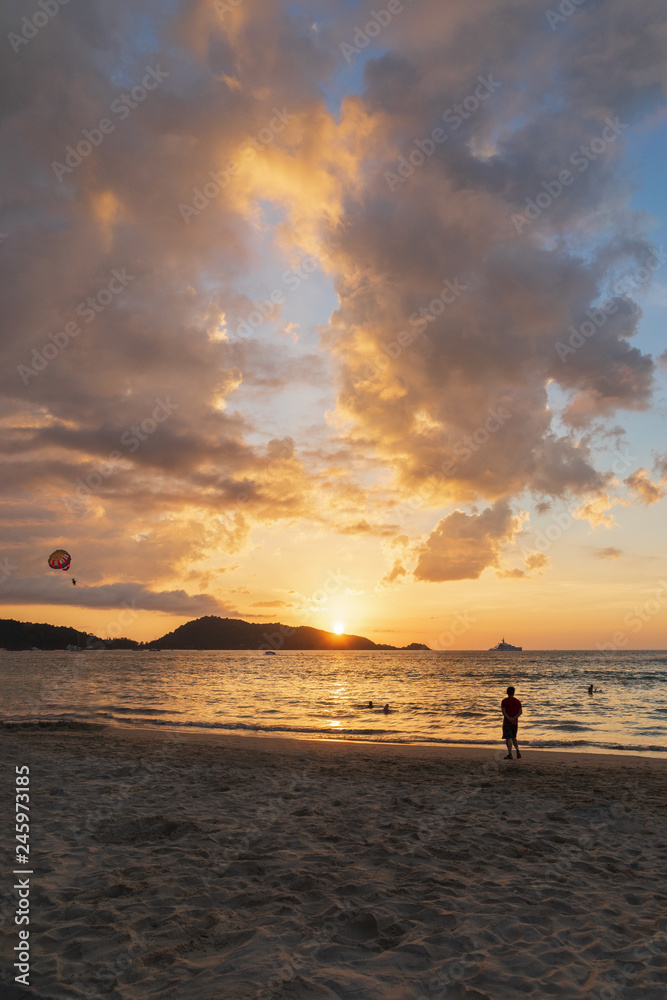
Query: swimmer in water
(370, 704)
(590, 689)
(386, 709)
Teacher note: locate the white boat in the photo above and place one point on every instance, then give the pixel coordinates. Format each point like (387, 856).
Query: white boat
(503, 646)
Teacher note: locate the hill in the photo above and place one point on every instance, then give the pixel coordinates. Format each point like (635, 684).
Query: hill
(212, 632)
(26, 635)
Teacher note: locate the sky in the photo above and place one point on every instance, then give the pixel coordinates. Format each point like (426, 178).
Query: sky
(340, 314)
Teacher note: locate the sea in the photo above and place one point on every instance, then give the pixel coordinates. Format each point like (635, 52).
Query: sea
(438, 698)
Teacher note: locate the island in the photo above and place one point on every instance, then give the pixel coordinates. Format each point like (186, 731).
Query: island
(210, 632)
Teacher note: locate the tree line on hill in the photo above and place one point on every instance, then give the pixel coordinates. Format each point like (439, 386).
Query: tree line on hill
(210, 632)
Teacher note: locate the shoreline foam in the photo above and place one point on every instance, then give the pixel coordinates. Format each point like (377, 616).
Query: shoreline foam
(220, 732)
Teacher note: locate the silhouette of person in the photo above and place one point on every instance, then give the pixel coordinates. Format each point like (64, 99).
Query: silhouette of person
(511, 709)
(386, 709)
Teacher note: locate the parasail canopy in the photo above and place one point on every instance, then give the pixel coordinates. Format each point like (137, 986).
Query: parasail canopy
(60, 559)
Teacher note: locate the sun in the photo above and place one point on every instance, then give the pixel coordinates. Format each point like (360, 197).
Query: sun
(338, 628)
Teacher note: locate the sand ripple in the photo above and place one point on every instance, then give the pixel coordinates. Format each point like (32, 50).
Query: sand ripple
(257, 870)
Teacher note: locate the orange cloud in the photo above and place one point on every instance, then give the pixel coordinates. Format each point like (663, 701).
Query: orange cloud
(643, 489)
(462, 546)
(607, 553)
(442, 349)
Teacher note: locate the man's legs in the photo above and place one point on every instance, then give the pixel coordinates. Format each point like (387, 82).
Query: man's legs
(516, 746)
(509, 747)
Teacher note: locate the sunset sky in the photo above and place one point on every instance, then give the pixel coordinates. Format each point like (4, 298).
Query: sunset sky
(310, 323)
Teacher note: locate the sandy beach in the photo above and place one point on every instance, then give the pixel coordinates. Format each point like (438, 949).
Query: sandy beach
(175, 866)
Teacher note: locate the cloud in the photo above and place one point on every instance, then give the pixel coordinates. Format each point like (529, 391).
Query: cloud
(270, 368)
(462, 546)
(535, 564)
(644, 490)
(596, 511)
(442, 347)
(397, 572)
(78, 408)
(536, 561)
(660, 467)
(364, 528)
(607, 553)
(133, 596)
(421, 370)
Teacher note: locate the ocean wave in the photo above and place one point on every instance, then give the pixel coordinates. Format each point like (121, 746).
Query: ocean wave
(67, 724)
(105, 709)
(257, 727)
(574, 744)
(351, 735)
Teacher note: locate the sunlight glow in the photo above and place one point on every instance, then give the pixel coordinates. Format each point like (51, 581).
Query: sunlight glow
(338, 628)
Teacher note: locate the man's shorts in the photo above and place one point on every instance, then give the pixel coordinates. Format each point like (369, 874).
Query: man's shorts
(510, 730)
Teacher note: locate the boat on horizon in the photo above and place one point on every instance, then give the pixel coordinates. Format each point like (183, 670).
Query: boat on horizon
(505, 647)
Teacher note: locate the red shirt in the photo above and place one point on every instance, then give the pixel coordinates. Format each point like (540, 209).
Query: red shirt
(512, 706)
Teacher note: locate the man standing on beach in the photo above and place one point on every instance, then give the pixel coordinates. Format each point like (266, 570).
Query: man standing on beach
(511, 709)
